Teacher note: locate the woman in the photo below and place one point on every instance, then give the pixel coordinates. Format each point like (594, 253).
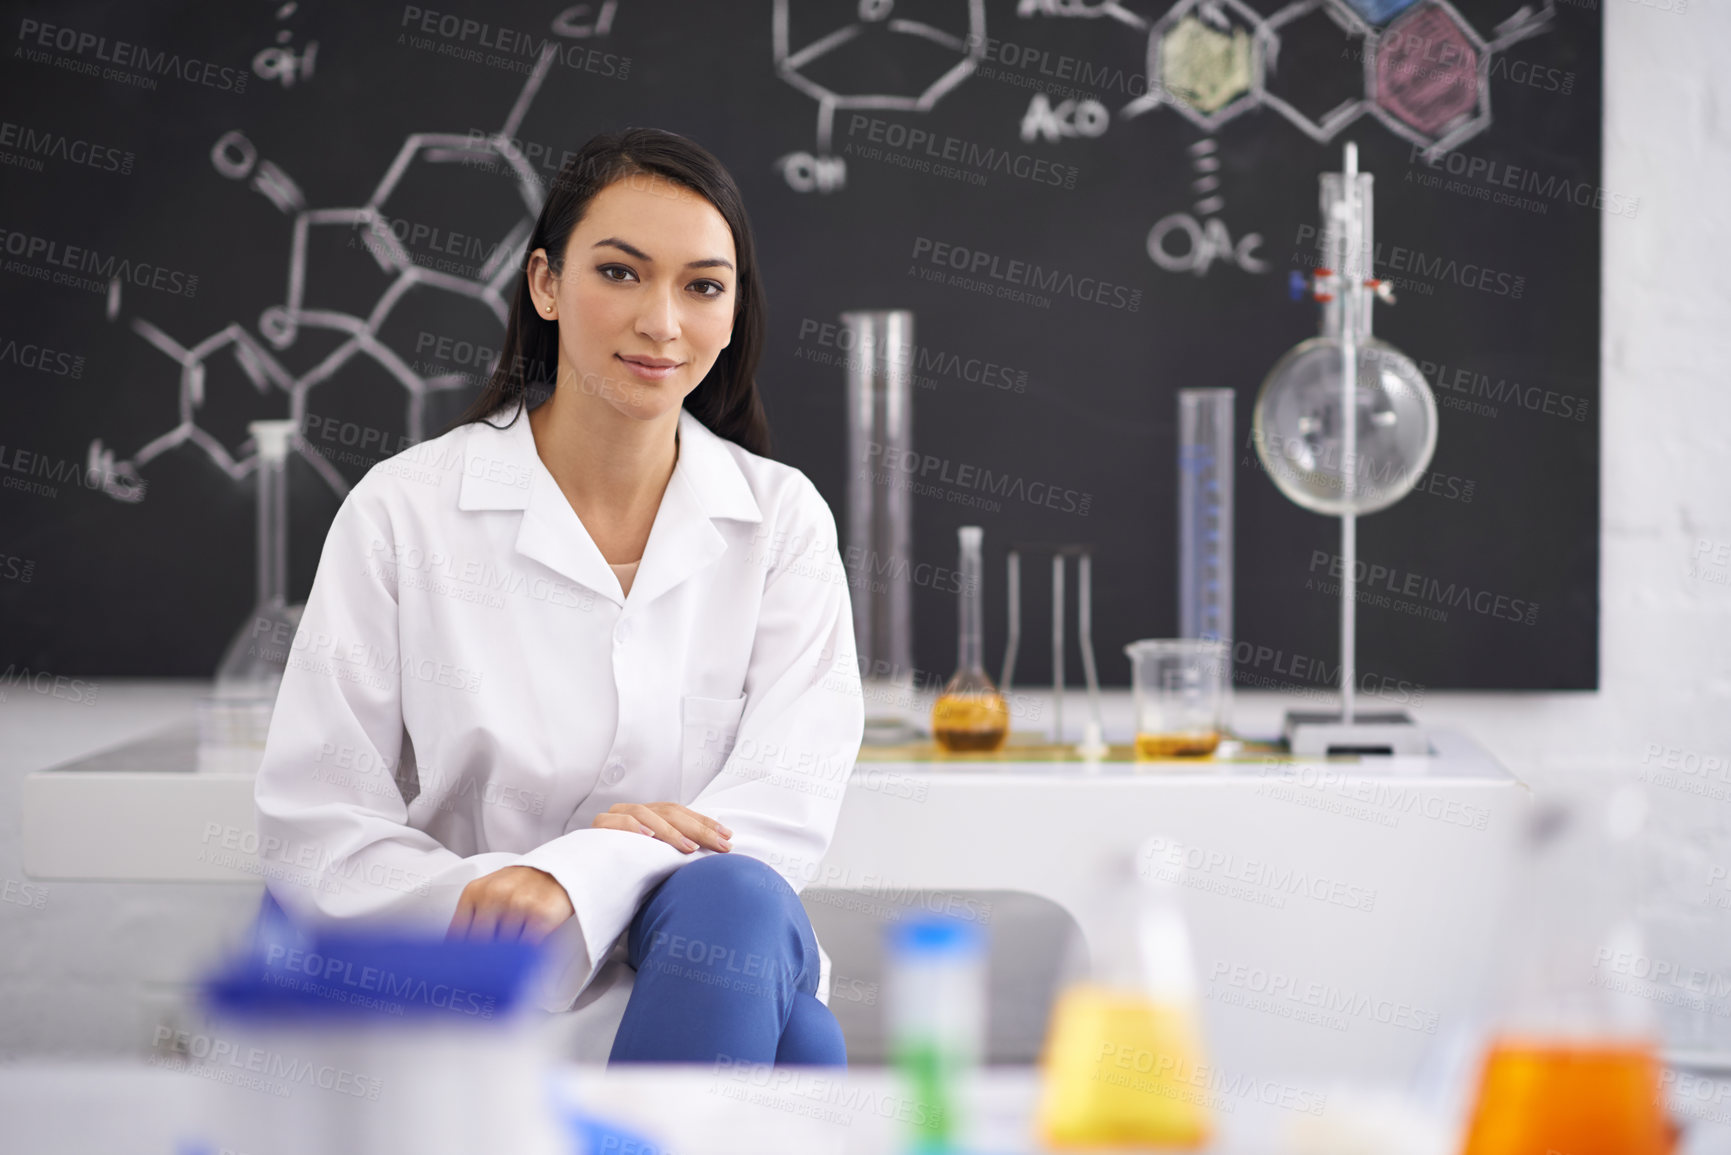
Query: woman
(582, 671)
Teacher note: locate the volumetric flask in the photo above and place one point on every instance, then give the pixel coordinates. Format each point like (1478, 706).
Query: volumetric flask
(1179, 687)
(970, 715)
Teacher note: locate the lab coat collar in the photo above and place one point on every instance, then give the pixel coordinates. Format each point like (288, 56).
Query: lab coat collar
(502, 470)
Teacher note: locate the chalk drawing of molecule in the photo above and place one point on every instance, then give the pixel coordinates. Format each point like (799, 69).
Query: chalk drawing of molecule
(1426, 75)
(929, 62)
(359, 340)
(1415, 66)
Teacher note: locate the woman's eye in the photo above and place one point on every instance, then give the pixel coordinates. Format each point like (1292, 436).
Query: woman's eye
(709, 288)
(616, 273)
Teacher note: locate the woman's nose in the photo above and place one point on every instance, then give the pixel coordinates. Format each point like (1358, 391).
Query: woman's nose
(658, 319)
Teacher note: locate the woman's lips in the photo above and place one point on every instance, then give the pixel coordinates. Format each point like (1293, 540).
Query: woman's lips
(649, 368)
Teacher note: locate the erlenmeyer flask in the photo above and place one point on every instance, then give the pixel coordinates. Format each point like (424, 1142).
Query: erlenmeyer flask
(1573, 1063)
(970, 714)
(1124, 1049)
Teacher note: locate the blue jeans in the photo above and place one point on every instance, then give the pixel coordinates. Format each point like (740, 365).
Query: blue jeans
(726, 968)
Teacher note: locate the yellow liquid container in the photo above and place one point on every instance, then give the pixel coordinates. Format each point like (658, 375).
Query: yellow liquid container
(970, 716)
(1582, 1098)
(1121, 1070)
(970, 721)
(1193, 744)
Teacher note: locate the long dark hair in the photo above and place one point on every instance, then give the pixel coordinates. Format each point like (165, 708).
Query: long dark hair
(726, 400)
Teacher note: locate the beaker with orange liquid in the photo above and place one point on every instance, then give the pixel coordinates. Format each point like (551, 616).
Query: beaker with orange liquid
(970, 715)
(1179, 687)
(1124, 1064)
(1572, 1064)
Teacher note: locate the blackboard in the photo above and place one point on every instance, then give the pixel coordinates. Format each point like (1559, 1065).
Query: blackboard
(158, 157)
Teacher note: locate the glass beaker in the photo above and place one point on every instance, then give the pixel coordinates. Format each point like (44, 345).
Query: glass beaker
(1179, 686)
(970, 715)
(1124, 1053)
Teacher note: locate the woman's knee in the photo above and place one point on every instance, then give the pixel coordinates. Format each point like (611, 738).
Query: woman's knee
(742, 886)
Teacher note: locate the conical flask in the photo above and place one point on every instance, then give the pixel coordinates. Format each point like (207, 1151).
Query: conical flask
(1572, 1063)
(970, 715)
(1124, 1051)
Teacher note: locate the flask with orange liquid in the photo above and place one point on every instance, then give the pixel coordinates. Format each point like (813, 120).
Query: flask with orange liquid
(1124, 1064)
(970, 715)
(1573, 1063)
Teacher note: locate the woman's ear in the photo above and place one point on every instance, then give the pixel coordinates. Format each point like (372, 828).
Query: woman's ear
(542, 284)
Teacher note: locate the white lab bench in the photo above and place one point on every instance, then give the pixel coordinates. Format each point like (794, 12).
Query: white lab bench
(134, 1109)
(1342, 911)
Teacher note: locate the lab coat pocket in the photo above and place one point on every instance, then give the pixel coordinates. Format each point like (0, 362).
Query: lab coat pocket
(709, 728)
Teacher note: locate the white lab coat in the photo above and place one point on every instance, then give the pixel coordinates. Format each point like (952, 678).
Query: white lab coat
(466, 646)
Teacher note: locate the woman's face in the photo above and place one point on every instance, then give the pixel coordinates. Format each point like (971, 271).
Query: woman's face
(645, 301)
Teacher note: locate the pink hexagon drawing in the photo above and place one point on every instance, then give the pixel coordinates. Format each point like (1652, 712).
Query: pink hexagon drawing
(1427, 70)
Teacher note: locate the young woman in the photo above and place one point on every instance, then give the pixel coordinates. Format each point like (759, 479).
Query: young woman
(582, 670)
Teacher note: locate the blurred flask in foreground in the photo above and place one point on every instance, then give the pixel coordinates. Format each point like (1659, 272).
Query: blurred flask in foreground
(1573, 1065)
(936, 1007)
(1124, 1052)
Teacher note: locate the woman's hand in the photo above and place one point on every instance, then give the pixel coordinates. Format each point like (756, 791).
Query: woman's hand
(684, 830)
(518, 902)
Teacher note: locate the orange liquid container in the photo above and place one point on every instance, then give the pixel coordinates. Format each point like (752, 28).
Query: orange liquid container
(1193, 744)
(1538, 1096)
(1122, 1071)
(970, 721)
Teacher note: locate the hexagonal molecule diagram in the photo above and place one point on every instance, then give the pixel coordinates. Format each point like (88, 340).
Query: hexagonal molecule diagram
(1320, 64)
(1426, 75)
(893, 56)
(362, 340)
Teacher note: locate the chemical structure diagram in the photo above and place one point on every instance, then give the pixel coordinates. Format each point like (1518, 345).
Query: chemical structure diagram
(1416, 66)
(279, 326)
(877, 31)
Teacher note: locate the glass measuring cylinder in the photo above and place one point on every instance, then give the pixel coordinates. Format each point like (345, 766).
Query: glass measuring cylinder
(1205, 461)
(970, 715)
(1180, 696)
(879, 347)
